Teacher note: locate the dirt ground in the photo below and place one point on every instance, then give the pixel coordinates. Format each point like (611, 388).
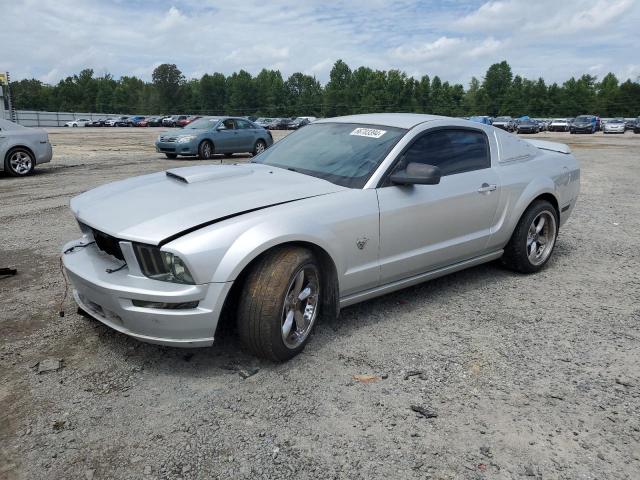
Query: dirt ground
(523, 376)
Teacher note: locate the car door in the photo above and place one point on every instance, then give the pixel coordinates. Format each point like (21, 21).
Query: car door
(226, 138)
(424, 227)
(246, 135)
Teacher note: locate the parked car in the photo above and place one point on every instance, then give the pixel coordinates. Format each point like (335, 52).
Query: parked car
(79, 122)
(297, 123)
(636, 127)
(481, 119)
(505, 123)
(98, 122)
(630, 124)
(122, 121)
(528, 126)
(135, 120)
(279, 124)
(210, 135)
(111, 121)
(22, 148)
(173, 120)
(341, 211)
(154, 121)
(263, 122)
(616, 125)
(183, 122)
(583, 124)
(559, 125)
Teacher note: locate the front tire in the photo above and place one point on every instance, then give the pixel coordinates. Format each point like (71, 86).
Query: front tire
(205, 150)
(259, 147)
(280, 303)
(533, 240)
(19, 162)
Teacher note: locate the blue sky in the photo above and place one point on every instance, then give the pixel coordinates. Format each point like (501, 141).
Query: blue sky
(455, 39)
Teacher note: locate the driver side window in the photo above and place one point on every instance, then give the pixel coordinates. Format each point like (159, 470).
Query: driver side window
(229, 124)
(451, 150)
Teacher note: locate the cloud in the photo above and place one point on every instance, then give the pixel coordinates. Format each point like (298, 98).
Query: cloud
(453, 39)
(544, 17)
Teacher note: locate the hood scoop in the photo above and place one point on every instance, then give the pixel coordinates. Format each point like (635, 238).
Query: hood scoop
(209, 173)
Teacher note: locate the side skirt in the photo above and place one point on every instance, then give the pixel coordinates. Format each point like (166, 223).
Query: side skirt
(416, 279)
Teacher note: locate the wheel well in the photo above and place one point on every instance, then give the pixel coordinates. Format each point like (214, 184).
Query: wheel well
(20, 147)
(330, 307)
(551, 199)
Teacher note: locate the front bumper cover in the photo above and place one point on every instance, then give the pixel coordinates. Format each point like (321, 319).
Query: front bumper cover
(108, 298)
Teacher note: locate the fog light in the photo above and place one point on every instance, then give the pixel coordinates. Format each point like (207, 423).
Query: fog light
(165, 306)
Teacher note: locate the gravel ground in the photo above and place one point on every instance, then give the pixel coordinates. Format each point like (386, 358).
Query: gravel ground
(516, 376)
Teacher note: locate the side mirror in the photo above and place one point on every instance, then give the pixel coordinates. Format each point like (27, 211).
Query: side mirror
(417, 174)
(221, 127)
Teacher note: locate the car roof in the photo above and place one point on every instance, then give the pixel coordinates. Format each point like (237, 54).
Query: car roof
(399, 120)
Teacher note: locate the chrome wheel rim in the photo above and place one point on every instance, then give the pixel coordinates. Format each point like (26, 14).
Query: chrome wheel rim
(300, 306)
(259, 148)
(20, 163)
(206, 150)
(541, 237)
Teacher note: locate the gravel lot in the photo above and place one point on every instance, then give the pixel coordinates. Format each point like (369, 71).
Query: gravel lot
(524, 376)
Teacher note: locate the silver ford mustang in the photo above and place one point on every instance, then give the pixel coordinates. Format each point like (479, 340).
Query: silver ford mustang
(341, 211)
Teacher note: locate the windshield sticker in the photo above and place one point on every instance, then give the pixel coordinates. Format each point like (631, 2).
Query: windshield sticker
(368, 132)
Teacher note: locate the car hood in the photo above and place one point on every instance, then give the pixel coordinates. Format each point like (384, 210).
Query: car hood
(153, 208)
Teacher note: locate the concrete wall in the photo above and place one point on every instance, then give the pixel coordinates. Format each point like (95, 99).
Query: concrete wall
(30, 118)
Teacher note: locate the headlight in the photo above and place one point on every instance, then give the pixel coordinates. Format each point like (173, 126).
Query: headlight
(163, 266)
(186, 138)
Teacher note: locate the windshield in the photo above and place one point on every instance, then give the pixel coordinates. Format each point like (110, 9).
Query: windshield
(559, 120)
(502, 119)
(342, 153)
(202, 124)
(582, 118)
(616, 120)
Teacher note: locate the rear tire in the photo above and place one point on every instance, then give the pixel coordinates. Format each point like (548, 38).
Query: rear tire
(533, 240)
(280, 303)
(172, 156)
(205, 150)
(19, 162)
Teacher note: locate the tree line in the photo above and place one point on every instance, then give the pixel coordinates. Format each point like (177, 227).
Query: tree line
(348, 91)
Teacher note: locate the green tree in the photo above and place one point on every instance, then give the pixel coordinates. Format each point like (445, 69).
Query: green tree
(167, 80)
(241, 94)
(213, 93)
(303, 94)
(495, 87)
(338, 93)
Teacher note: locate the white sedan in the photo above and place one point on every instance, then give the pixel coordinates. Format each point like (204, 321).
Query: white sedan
(616, 125)
(78, 122)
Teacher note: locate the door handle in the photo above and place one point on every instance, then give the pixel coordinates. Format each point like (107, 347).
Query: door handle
(486, 188)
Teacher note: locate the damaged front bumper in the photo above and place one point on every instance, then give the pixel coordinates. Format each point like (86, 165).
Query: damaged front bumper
(115, 298)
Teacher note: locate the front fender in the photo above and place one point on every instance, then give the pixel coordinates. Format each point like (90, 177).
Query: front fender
(337, 223)
(255, 241)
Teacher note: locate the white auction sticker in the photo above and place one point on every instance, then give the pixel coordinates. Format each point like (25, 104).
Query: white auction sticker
(368, 132)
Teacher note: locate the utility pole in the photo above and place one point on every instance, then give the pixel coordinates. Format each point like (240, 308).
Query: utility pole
(6, 105)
